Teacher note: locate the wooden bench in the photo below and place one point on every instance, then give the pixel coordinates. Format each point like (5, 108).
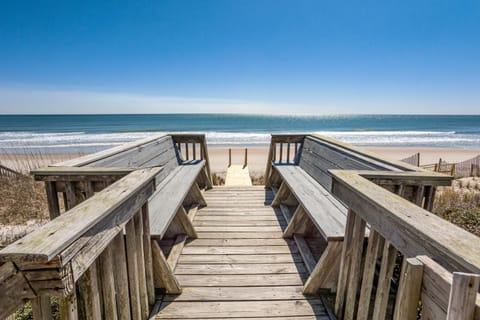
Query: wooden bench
(177, 192)
(304, 188)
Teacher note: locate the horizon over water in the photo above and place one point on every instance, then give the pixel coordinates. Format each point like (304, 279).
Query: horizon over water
(88, 133)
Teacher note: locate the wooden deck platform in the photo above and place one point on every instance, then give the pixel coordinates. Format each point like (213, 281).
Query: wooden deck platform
(240, 266)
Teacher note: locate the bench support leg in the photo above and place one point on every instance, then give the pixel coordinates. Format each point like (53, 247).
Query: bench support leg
(325, 274)
(162, 273)
(282, 193)
(194, 196)
(182, 218)
(298, 223)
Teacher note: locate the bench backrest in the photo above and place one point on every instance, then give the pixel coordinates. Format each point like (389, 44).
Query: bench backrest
(317, 157)
(160, 152)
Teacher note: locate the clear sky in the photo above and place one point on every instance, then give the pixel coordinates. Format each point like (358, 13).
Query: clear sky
(240, 56)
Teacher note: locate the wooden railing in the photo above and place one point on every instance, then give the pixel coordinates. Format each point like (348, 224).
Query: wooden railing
(433, 254)
(284, 149)
(7, 172)
(96, 257)
(192, 147)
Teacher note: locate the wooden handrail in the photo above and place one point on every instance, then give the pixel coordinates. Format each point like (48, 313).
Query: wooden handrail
(194, 138)
(281, 139)
(411, 229)
(65, 252)
(399, 228)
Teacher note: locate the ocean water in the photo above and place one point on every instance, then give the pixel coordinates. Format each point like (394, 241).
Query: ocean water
(87, 133)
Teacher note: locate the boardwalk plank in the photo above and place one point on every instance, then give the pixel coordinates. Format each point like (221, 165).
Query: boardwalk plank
(244, 268)
(238, 293)
(192, 310)
(239, 258)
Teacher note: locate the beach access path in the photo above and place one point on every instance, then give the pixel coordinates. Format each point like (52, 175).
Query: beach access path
(240, 266)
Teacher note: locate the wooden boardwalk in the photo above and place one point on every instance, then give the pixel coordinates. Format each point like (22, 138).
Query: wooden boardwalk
(240, 266)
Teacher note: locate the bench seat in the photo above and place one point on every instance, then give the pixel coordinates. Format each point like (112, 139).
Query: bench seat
(327, 213)
(170, 195)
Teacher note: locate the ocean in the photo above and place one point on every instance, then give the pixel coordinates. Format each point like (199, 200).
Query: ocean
(87, 133)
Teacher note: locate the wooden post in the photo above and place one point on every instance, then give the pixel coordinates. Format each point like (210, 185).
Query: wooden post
(121, 277)
(194, 151)
(452, 170)
(409, 290)
(147, 248)
(463, 295)
(186, 151)
(344, 265)
(89, 293)
(354, 276)
(384, 279)
(471, 169)
(52, 199)
(418, 159)
(131, 244)
(288, 152)
(68, 307)
(245, 161)
(371, 255)
(41, 308)
(138, 219)
(108, 284)
(229, 157)
(281, 152)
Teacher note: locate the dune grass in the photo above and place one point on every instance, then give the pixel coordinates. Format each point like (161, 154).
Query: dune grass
(460, 208)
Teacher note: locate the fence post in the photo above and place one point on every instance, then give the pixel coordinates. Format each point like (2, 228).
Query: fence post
(245, 161)
(229, 157)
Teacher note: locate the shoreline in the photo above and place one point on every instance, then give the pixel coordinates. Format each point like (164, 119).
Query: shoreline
(257, 157)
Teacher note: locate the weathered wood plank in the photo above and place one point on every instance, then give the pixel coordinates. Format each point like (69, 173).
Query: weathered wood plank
(384, 280)
(243, 280)
(163, 274)
(253, 223)
(176, 250)
(187, 310)
(142, 278)
(258, 229)
(375, 241)
(244, 268)
(409, 291)
(133, 274)
(354, 275)
(463, 293)
(239, 242)
(328, 214)
(305, 252)
(239, 258)
(238, 294)
(14, 289)
(325, 273)
(167, 199)
(89, 301)
(392, 216)
(45, 243)
(108, 285)
(239, 235)
(121, 277)
(82, 161)
(240, 250)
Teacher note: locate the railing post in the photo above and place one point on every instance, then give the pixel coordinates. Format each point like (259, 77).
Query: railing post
(409, 291)
(229, 157)
(463, 294)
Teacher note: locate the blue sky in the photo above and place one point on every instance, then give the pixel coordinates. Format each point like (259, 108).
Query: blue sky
(240, 56)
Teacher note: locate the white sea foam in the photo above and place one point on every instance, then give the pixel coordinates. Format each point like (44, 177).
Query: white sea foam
(88, 142)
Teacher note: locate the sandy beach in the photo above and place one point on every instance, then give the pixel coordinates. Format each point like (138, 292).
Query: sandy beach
(257, 157)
